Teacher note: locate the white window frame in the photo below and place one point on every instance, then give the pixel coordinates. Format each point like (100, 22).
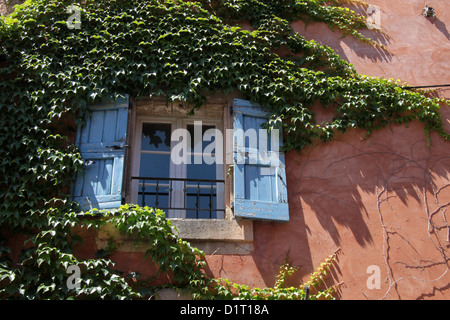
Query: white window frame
(176, 171)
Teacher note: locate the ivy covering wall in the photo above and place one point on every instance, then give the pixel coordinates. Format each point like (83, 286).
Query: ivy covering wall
(181, 50)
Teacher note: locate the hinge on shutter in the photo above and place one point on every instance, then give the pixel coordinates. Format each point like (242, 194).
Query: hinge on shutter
(118, 147)
(115, 147)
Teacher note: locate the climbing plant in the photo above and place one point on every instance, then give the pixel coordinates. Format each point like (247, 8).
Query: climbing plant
(314, 289)
(50, 71)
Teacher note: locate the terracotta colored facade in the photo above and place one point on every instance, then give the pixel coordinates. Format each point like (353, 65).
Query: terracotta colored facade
(381, 202)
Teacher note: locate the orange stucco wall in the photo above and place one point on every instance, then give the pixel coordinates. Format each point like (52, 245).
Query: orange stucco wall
(382, 201)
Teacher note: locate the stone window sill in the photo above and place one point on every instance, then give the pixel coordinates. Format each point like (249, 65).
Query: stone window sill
(211, 236)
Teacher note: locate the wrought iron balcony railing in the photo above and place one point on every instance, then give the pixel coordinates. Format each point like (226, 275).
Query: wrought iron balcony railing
(197, 198)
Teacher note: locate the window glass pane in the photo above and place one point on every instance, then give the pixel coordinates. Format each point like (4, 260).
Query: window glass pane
(201, 171)
(152, 196)
(192, 214)
(155, 165)
(156, 137)
(201, 198)
(195, 142)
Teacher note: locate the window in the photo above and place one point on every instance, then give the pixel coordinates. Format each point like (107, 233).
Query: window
(170, 170)
(177, 163)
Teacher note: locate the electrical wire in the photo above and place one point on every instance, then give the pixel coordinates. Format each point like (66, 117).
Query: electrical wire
(429, 86)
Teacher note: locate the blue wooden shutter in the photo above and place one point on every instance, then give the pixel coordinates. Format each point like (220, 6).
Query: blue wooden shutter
(102, 143)
(259, 170)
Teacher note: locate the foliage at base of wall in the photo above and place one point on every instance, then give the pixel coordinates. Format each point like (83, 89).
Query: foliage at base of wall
(43, 269)
(51, 70)
(314, 289)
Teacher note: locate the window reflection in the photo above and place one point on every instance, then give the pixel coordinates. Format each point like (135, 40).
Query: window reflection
(156, 137)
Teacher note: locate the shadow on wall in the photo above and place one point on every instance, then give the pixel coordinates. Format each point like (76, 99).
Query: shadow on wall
(337, 192)
(364, 50)
(338, 41)
(337, 186)
(441, 27)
